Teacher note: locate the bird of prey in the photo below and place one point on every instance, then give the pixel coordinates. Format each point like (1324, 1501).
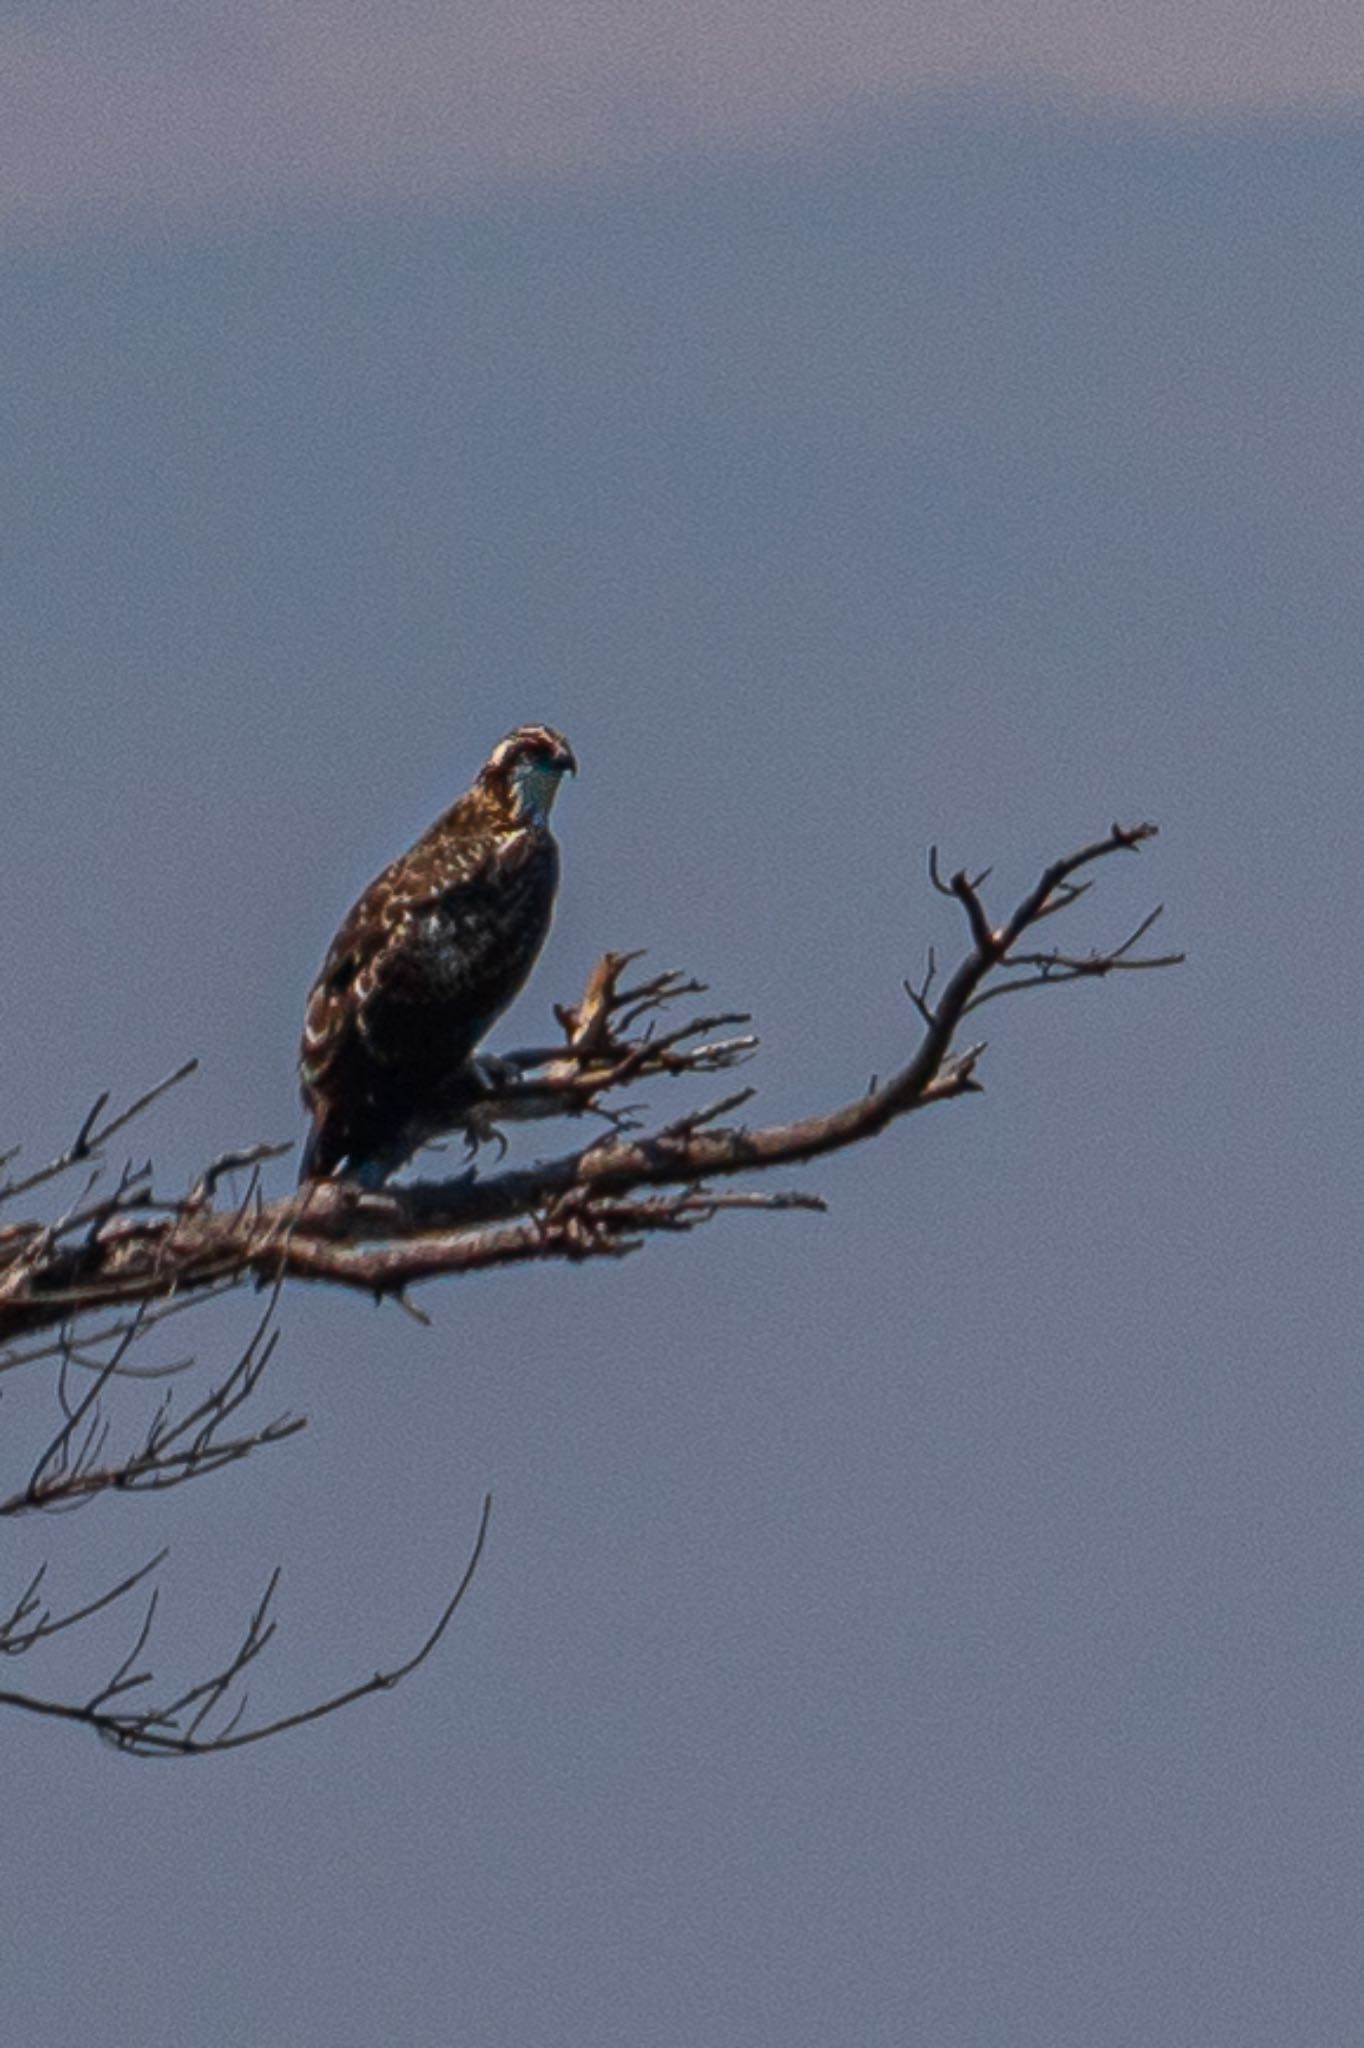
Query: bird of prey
(426, 962)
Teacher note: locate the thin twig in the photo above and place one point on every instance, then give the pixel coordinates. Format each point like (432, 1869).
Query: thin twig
(92, 1136)
(174, 1730)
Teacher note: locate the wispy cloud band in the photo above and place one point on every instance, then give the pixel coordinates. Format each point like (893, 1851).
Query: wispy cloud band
(139, 110)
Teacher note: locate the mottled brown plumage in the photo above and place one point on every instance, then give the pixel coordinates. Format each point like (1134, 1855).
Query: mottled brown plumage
(426, 961)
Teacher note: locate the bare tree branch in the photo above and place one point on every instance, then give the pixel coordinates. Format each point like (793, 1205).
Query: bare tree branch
(92, 1137)
(172, 1451)
(93, 1282)
(19, 1631)
(177, 1726)
(130, 1250)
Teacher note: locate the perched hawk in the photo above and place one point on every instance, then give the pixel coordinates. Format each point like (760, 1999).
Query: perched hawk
(426, 962)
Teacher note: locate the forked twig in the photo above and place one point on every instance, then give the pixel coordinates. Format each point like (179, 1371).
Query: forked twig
(175, 1728)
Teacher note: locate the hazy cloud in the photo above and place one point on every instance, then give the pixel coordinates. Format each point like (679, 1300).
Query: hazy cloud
(134, 109)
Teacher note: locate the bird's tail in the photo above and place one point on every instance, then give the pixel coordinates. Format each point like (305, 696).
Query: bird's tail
(334, 1151)
(319, 1153)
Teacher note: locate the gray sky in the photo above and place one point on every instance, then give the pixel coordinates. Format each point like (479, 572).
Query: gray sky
(939, 1621)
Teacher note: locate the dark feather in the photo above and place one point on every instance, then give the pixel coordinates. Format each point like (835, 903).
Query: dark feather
(426, 962)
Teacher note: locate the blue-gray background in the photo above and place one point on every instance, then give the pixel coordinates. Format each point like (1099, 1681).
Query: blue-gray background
(939, 1621)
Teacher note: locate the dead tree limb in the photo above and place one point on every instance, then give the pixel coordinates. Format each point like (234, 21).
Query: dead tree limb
(204, 1719)
(601, 1199)
(86, 1287)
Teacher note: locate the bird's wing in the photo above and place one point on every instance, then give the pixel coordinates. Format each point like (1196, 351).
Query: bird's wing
(435, 948)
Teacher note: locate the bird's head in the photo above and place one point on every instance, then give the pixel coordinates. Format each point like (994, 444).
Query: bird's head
(525, 770)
